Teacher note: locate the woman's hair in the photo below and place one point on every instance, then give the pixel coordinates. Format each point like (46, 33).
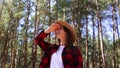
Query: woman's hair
(69, 37)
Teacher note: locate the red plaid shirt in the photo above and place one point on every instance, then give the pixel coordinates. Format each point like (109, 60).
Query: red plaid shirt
(71, 55)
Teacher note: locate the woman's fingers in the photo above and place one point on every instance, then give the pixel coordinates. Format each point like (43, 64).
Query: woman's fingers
(52, 28)
(55, 26)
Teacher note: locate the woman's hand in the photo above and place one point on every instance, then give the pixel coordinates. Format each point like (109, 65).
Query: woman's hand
(52, 28)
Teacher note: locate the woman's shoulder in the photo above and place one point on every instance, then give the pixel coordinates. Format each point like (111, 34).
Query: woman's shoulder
(52, 46)
(72, 49)
(75, 47)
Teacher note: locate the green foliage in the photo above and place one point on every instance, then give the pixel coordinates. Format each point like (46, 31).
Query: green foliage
(18, 14)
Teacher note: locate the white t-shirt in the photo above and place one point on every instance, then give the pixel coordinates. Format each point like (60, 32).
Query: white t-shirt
(56, 58)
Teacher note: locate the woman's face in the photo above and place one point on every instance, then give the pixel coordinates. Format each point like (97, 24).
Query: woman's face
(60, 33)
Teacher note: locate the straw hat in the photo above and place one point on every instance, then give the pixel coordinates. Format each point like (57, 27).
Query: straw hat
(69, 27)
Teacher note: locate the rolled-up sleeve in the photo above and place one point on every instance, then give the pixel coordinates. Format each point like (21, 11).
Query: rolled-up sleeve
(39, 40)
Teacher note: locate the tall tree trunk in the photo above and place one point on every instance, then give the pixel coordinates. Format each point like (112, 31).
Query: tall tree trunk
(13, 43)
(93, 48)
(117, 29)
(26, 34)
(19, 48)
(56, 13)
(87, 6)
(34, 47)
(1, 33)
(7, 39)
(98, 20)
(49, 19)
(78, 19)
(114, 36)
(87, 57)
(101, 43)
(56, 18)
(100, 57)
(18, 51)
(118, 46)
(12, 65)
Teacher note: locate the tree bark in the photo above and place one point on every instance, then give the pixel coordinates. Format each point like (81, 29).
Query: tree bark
(93, 48)
(99, 51)
(117, 32)
(87, 57)
(13, 43)
(114, 36)
(34, 47)
(101, 43)
(26, 34)
(6, 46)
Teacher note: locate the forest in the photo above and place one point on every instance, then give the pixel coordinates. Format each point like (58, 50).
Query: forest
(96, 22)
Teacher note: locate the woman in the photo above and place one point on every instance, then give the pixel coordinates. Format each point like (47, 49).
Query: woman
(64, 55)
